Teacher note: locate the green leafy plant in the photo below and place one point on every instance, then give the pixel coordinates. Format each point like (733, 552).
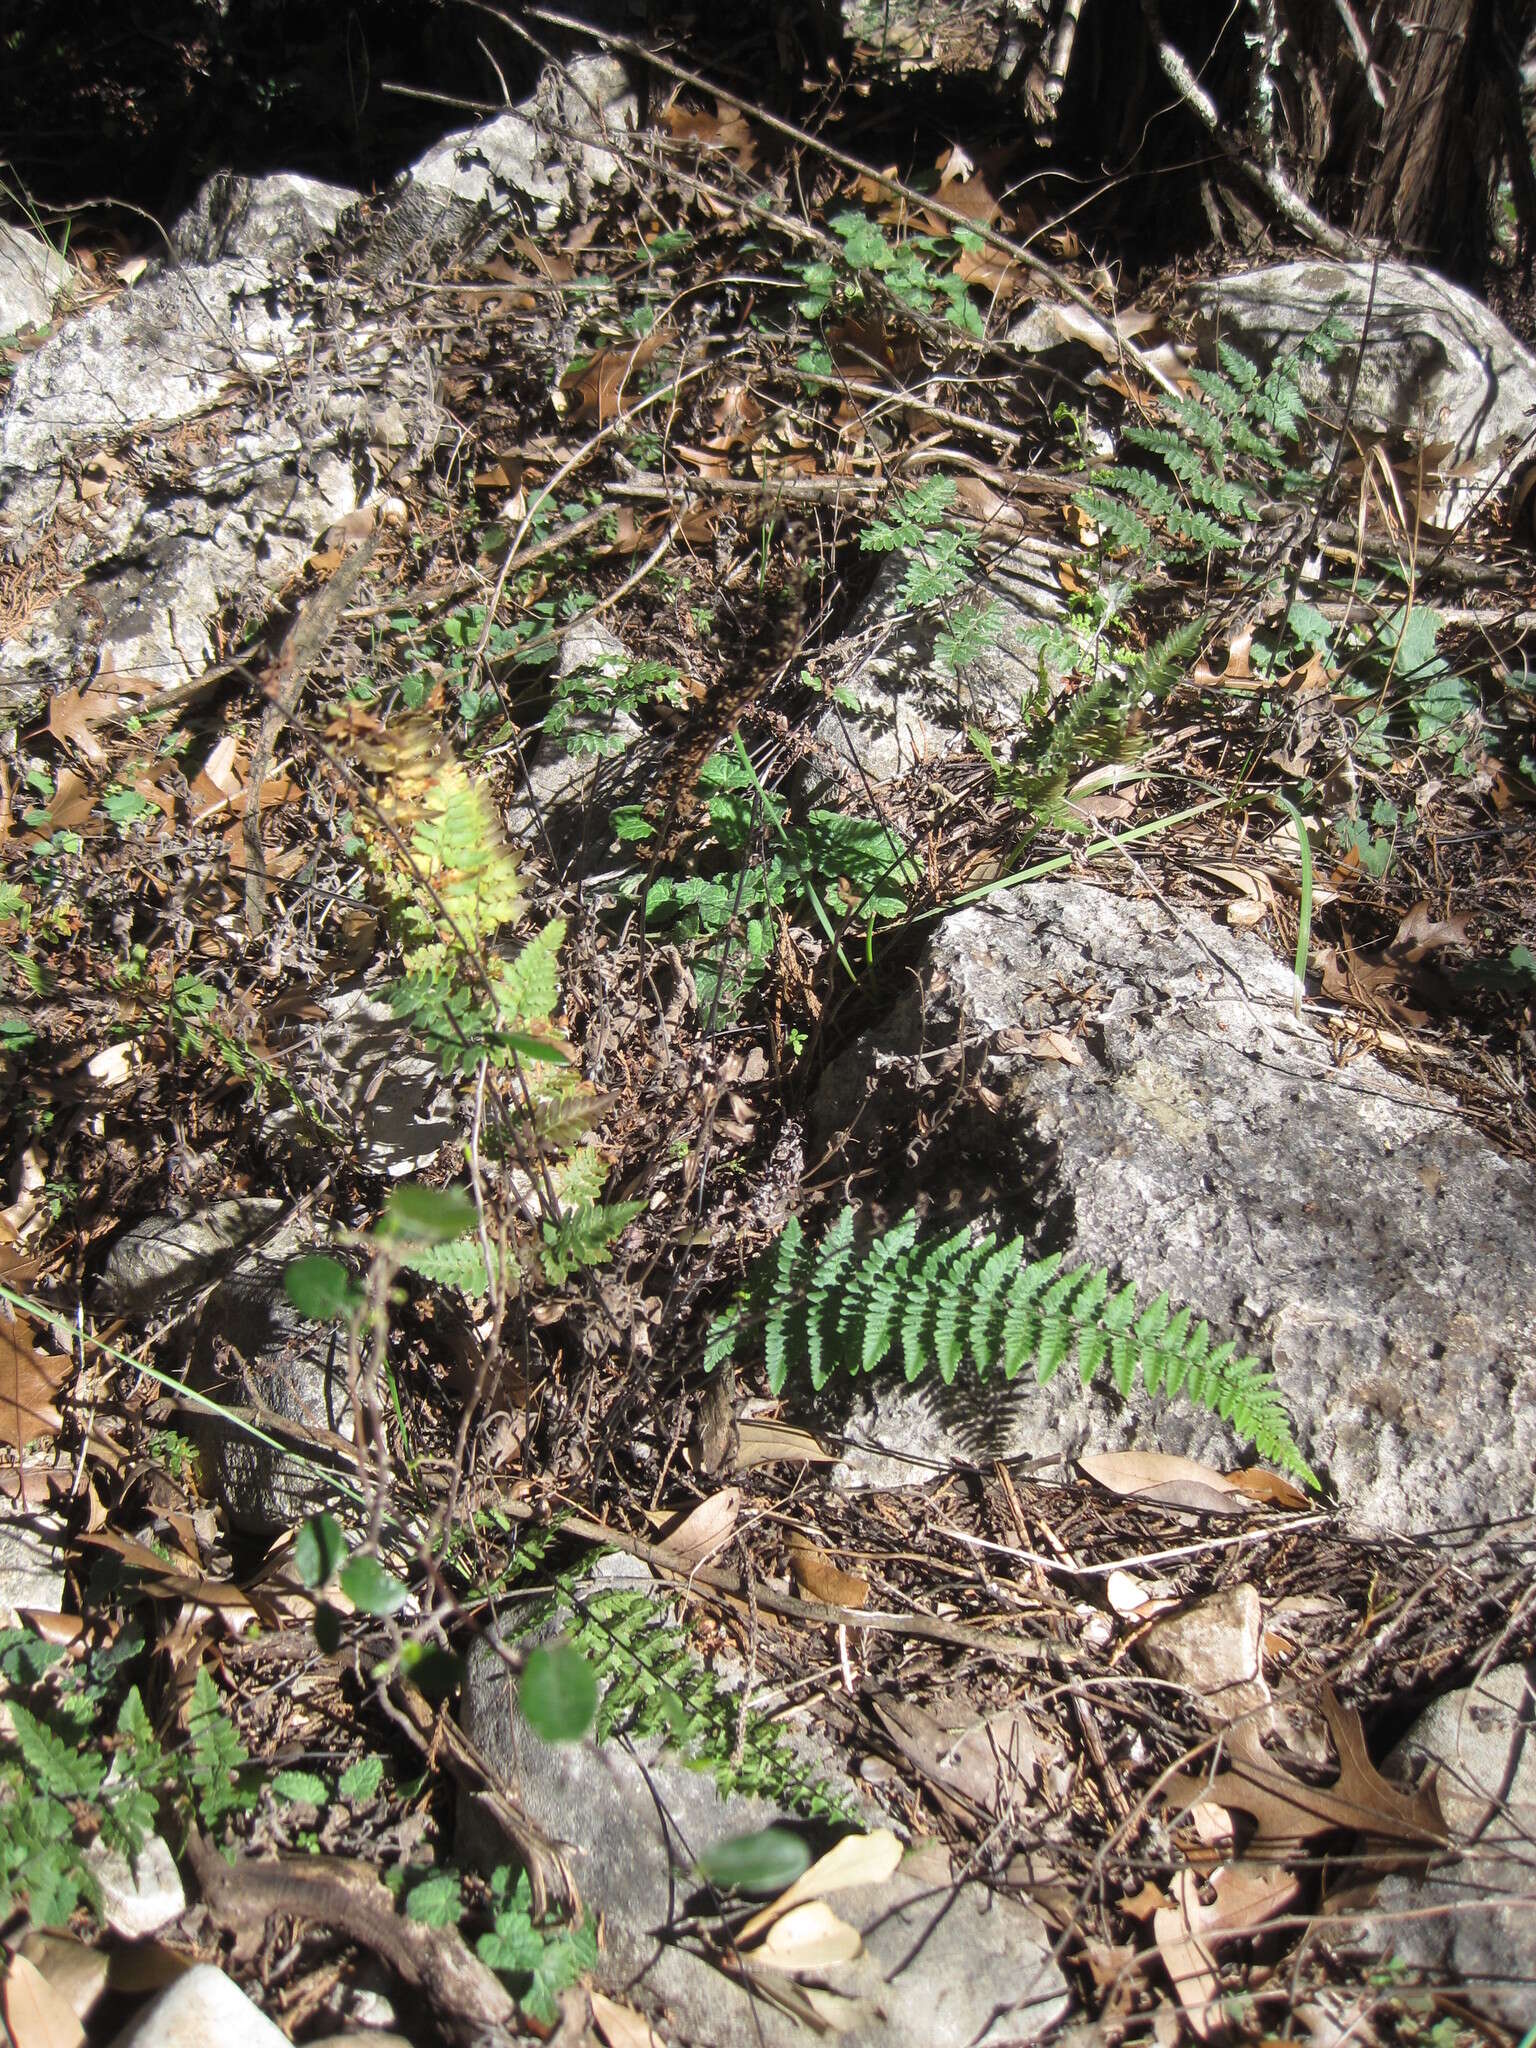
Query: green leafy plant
(588, 702)
(916, 270)
(841, 1307)
(64, 1782)
(828, 866)
(538, 1960)
(1219, 461)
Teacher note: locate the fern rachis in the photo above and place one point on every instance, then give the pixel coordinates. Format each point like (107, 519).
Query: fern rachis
(835, 1305)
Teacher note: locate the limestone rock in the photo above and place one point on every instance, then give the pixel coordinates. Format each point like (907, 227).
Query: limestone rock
(32, 1552)
(137, 1902)
(290, 408)
(944, 1963)
(32, 277)
(279, 218)
(200, 2007)
(1437, 363)
(163, 1260)
(1213, 1649)
(1340, 1222)
(252, 1349)
(910, 707)
(364, 1074)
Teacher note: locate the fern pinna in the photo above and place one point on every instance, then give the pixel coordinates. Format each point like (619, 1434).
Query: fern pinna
(839, 1305)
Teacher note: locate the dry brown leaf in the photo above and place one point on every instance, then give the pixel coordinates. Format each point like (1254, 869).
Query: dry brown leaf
(1420, 934)
(975, 499)
(610, 382)
(762, 1443)
(72, 803)
(76, 1970)
(1289, 1811)
(74, 714)
(1246, 1895)
(820, 1579)
(855, 1860)
(980, 1765)
(1270, 1487)
(1170, 1481)
(29, 1380)
(808, 1937)
(1143, 1903)
(694, 1538)
(36, 2015)
(621, 2026)
(1056, 1045)
(725, 129)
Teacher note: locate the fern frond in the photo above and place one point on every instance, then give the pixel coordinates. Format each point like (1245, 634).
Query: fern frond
(653, 1683)
(835, 1306)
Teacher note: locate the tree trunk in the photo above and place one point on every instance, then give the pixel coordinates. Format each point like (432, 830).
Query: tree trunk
(1439, 140)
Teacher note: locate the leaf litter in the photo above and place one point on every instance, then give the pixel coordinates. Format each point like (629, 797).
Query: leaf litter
(1045, 1772)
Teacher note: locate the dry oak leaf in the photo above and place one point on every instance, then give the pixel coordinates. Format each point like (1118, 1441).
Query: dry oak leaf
(1289, 1811)
(1171, 1482)
(820, 1579)
(1420, 933)
(29, 1380)
(1246, 1895)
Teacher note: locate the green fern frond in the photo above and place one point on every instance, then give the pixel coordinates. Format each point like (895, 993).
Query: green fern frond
(1120, 526)
(653, 1683)
(835, 1306)
(1156, 500)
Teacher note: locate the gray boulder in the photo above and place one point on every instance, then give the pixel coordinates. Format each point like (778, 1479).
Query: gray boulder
(1468, 1921)
(1342, 1223)
(1437, 363)
(945, 1963)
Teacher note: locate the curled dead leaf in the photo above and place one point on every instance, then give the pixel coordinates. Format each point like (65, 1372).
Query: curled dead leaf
(819, 1579)
(807, 1937)
(694, 1538)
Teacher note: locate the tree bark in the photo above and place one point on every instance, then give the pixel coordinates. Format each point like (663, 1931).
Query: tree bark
(1428, 181)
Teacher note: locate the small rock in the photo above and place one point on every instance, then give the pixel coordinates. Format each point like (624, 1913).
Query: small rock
(201, 2007)
(31, 277)
(163, 1261)
(365, 1075)
(31, 1563)
(1470, 1919)
(252, 1349)
(1213, 1650)
(279, 218)
(140, 1901)
(911, 708)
